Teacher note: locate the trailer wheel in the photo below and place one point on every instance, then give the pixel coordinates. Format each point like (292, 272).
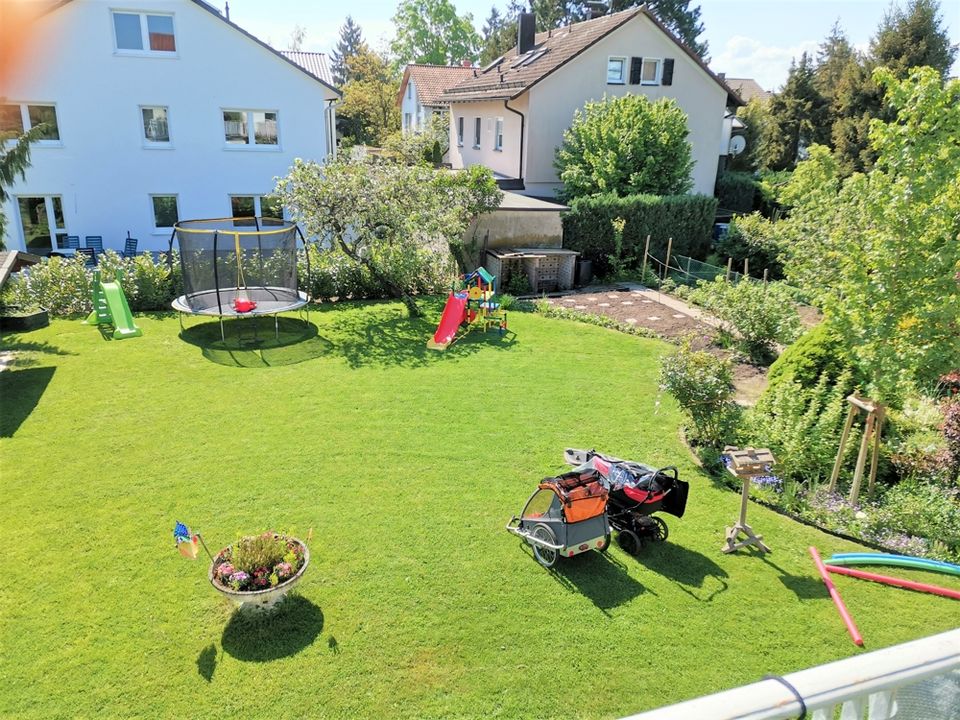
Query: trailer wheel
(629, 542)
(661, 532)
(545, 556)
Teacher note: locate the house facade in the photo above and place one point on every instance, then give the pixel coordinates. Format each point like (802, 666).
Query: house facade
(511, 115)
(157, 110)
(420, 90)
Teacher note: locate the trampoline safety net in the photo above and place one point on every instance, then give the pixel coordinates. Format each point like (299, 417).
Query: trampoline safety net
(224, 259)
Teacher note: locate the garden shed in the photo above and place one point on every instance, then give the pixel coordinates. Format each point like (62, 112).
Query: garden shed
(547, 269)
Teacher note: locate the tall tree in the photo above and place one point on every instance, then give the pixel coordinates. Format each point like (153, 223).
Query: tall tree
(14, 162)
(430, 31)
(351, 40)
(500, 32)
(368, 113)
(833, 56)
(913, 37)
(797, 118)
(296, 37)
(755, 116)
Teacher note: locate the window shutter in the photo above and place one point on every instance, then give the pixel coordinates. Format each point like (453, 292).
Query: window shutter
(667, 77)
(636, 64)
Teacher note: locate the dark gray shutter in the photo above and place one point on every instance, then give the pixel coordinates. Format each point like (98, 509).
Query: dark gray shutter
(667, 77)
(636, 64)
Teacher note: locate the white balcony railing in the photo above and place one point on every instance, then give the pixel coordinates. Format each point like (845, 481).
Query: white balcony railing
(870, 683)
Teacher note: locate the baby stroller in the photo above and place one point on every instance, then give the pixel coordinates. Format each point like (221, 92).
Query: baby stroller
(635, 492)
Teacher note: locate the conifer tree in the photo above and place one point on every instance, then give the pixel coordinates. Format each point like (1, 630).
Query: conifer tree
(350, 43)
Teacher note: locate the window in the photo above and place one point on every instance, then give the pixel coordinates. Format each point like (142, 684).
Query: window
(407, 121)
(498, 135)
(156, 126)
(460, 131)
(165, 213)
(16, 119)
(244, 208)
(650, 71)
(250, 127)
(42, 223)
(409, 91)
(476, 132)
(143, 33)
(616, 67)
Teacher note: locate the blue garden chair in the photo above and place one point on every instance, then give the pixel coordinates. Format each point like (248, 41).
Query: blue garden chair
(89, 256)
(130, 247)
(94, 242)
(72, 241)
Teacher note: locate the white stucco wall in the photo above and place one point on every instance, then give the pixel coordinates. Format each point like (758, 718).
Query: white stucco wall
(411, 106)
(506, 161)
(101, 168)
(555, 99)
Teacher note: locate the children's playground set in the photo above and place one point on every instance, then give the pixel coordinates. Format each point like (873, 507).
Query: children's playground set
(470, 305)
(110, 307)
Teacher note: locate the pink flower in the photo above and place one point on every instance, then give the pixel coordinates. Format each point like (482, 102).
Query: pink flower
(225, 570)
(283, 569)
(239, 578)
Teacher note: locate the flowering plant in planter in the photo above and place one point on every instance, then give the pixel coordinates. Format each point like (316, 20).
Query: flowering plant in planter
(259, 569)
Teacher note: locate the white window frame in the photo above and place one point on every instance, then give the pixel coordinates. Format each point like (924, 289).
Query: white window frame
(27, 126)
(155, 144)
(409, 89)
(477, 132)
(498, 135)
(408, 122)
(251, 144)
(257, 204)
(55, 230)
(144, 34)
(460, 124)
(158, 230)
(659, 73)
(623, 70)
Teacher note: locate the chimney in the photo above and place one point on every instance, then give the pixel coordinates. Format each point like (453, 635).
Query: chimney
(467, 63)
(227, 8)
(526, 32)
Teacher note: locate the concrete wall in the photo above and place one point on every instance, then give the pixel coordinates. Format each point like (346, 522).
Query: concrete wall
(519, 222)
(101, 168)
(554, 101)
(506, 162)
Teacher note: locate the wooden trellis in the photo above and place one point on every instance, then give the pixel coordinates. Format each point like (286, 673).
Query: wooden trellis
(872, 428)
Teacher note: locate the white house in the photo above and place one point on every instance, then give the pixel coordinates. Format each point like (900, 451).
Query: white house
(510, 116)
(159, 110)
(420, 91)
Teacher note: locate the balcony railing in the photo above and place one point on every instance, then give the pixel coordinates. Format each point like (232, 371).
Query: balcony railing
(872, 686)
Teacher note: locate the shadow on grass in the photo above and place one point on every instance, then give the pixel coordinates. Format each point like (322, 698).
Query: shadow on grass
(280, 633)
(804, 587)
(687, 568)
(22, 351)
(386, 336)
(21, 391)
(207, 662)
(599, 577)
(256, 342)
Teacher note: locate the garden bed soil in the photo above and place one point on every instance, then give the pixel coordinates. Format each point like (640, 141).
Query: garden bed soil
(640, 310)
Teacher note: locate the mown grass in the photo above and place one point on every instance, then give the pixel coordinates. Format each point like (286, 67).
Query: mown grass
(406, 464)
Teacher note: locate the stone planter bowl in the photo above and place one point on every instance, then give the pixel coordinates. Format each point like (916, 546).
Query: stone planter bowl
(267, 598)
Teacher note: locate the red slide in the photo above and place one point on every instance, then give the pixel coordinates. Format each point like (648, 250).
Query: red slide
(453, 314)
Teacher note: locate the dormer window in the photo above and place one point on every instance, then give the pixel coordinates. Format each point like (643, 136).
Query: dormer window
(616, 70)
(143, 33)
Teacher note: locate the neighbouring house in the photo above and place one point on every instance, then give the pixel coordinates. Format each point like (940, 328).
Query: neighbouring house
(510, 115)
(158, 110)
(420, 91)
(748, 89)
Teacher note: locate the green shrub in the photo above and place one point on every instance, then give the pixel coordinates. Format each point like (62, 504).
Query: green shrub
(688, 219)
(924, 509)
(819, 350)
(760, 315)
(801, 425)
(771, 186)
(917, 444)
(752, 237)
(702, 385)
(736, 191)
(625, 145)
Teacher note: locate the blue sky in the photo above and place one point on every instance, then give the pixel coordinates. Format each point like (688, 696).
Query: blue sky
(747, 38)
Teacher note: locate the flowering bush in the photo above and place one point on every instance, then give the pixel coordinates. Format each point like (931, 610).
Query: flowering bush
(258, 562)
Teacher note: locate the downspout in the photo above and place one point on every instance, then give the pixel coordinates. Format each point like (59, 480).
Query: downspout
(330, 112)
(523, 121)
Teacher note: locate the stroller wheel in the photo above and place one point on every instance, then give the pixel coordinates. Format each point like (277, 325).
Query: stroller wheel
(659, 531)
(606, 543)
(629, 542)
(545, 556)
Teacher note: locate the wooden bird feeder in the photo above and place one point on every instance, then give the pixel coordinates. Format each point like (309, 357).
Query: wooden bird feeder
(746, 464)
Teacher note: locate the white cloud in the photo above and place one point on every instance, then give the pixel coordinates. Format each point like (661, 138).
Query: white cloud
(746, 57)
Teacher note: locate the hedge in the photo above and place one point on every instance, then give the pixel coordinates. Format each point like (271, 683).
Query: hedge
(737, 191)
(688, 219)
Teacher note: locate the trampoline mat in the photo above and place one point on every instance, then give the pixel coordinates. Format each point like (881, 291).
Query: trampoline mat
(269, 300)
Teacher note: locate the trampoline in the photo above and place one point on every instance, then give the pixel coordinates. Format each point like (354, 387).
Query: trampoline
(238, 267)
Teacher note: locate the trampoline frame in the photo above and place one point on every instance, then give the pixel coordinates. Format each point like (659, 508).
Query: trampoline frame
(180, 304)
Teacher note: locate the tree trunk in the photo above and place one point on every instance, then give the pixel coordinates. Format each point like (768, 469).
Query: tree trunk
(406, 298)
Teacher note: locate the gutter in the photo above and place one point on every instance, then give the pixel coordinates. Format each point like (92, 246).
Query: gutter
(523, 122)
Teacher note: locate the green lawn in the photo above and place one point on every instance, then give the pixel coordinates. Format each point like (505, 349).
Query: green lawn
(406, 464)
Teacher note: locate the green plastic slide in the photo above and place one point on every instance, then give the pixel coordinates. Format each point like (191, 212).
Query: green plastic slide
(110, 307)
